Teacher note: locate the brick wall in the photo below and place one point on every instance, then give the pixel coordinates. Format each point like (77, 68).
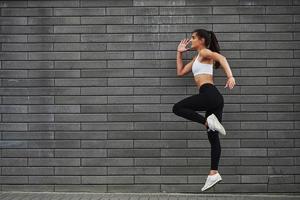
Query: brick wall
(87, 89)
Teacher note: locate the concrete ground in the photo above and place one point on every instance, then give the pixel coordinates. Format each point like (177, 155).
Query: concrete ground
(138, 196)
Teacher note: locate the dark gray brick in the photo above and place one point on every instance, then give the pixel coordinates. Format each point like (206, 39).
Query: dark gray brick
(26, 11)
(78, 11)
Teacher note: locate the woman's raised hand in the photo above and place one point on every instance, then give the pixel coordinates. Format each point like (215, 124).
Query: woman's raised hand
(182, 45)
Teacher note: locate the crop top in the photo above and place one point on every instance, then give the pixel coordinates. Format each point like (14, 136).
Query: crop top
(201, 68)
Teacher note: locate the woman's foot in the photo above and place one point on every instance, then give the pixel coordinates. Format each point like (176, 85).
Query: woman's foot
(211, 180)
(214, 124)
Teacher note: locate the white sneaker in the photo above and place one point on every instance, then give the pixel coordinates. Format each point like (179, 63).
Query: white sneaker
(214, 124)
(211, 180)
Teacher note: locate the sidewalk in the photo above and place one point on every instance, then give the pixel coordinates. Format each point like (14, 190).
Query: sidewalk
(138, 196)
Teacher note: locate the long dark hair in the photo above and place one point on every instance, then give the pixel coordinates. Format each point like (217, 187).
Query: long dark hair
(211, 42)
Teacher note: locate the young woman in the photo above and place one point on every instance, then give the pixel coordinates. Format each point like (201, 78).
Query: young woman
(209, 98)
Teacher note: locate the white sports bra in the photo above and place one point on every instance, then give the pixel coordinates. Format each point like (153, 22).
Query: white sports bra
(201, 68)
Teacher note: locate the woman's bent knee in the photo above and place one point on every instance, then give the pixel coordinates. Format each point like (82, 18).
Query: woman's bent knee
(175, 108)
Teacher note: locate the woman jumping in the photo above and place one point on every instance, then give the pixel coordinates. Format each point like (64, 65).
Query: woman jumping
(209, 98)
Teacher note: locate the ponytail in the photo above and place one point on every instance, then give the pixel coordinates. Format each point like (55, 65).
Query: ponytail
(213, 45)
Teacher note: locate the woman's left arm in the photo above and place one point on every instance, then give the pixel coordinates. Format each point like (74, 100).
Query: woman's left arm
(225, 66)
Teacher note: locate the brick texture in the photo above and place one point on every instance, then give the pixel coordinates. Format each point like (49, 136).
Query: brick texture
(87, 89)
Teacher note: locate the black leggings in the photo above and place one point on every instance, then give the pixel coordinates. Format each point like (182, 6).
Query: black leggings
(210, 100)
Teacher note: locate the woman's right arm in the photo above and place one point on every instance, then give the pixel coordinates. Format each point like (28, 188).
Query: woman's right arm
(183, 69)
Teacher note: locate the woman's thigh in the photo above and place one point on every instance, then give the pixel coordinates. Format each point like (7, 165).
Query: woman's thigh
(197, 102)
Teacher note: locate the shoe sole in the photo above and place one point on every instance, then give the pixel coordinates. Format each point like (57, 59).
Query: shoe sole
(212, 185)
(219, 127)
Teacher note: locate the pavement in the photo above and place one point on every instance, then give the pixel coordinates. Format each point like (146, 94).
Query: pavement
(139, 196)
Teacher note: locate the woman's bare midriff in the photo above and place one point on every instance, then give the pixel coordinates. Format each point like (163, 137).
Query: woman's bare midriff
(200, 79)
